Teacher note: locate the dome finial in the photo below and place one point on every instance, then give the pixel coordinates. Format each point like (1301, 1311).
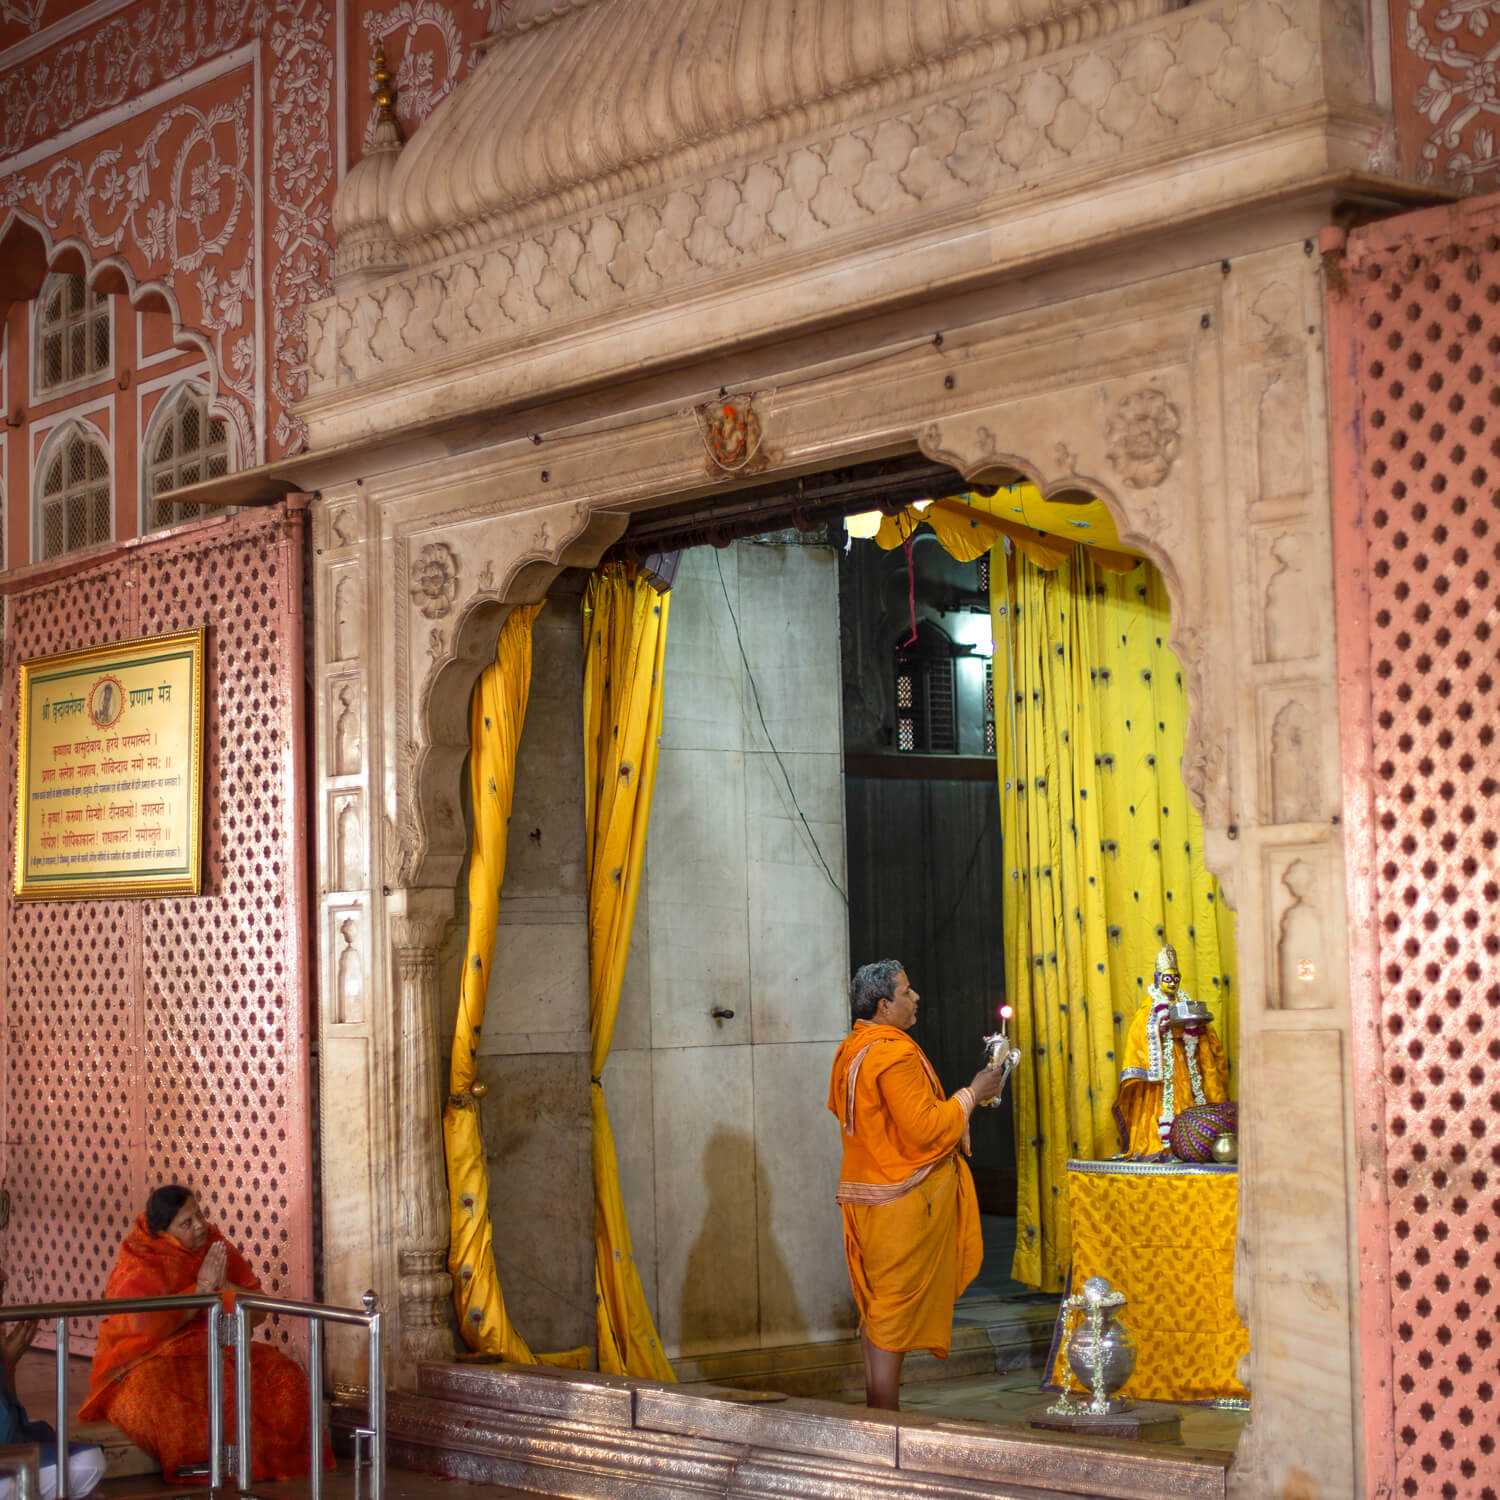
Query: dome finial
(384, 95)
(366, 246)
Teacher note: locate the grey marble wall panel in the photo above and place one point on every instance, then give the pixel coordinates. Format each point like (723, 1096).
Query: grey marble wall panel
(788, 618)
(804, 1284)
(538, 1144)
(699, 902)
(706, 1169)
(702, 689)
(799, 927)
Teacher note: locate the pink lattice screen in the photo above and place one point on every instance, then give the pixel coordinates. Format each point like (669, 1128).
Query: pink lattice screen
(1415, 347)
(167, 1040)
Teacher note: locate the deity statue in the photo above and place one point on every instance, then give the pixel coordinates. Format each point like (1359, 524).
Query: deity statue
(1173, 1059)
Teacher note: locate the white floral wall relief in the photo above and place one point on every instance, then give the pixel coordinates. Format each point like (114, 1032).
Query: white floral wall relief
(174, 209)
(300, 190)
(116, 59)
(28, 16)
(1460, 96)
(179, 209)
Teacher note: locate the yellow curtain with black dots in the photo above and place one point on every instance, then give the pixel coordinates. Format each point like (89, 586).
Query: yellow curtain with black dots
(1104, 853)
(624, 649)
(496, 716)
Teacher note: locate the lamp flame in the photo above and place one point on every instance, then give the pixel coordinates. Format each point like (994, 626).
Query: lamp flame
(1006, 1012)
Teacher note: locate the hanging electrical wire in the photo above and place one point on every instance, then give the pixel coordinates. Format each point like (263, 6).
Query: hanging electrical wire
(765, 730)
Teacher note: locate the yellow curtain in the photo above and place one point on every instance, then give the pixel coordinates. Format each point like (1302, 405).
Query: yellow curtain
(1046, 531)
(495, 719)
(1105, 857)
(625, 638)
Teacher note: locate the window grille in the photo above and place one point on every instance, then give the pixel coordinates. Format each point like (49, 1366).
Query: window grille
(75, 509)
(72, 333)
(926, 715)
(989, 707)
(185, 445)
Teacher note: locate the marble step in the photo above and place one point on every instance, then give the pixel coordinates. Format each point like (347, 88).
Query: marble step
(587, 1436)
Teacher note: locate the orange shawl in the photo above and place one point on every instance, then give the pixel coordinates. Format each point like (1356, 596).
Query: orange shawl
(897, 1125)
(154, 1265)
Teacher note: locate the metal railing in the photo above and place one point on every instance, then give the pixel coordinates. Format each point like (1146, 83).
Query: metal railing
(227, 1330)
(372, 1434)
(60, 1313)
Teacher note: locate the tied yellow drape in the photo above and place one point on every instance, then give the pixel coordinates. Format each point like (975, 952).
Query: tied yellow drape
(1104, 854)
(496, 717)
(625, 638)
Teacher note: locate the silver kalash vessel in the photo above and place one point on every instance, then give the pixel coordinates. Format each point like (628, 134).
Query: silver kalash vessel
(1100, 1351)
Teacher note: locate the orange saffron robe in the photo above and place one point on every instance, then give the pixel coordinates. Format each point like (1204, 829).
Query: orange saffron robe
(911, 1218)
(150, 1375)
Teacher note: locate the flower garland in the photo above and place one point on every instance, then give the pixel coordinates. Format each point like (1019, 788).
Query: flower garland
(1169, 1078)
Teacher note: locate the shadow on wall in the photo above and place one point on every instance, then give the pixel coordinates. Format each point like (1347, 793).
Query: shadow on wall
(709, 1317)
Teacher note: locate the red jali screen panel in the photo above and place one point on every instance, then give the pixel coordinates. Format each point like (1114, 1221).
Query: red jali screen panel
(167, 1040)
(1414, 315)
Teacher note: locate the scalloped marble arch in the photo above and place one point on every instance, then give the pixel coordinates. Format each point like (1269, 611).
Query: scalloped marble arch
(436, 843)
(431, 835)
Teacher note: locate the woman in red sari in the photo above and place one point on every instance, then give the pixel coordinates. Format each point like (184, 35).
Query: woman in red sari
(150, 1374)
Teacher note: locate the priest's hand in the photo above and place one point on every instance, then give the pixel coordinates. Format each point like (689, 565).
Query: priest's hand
(987, 1083)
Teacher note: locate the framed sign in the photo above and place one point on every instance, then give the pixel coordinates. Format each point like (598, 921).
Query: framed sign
(109, 779)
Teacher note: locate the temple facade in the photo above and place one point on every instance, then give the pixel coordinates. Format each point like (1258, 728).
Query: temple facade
(350, 380)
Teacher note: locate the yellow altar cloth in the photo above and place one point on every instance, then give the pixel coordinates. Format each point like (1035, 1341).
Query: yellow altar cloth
(1163, 1234)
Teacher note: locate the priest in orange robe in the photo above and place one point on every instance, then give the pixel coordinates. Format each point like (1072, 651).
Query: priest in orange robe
(1166, 1066)
(911, 1220)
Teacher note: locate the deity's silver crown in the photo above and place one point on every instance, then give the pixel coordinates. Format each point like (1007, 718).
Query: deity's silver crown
(1166, 960)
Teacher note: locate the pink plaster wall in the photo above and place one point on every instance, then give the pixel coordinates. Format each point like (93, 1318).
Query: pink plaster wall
(168, 1040)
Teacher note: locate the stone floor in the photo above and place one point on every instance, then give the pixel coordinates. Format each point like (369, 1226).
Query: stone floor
(339, 1485)
(1006, 1399)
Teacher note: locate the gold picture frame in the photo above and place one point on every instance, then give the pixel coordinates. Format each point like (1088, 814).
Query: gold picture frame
(109, 776)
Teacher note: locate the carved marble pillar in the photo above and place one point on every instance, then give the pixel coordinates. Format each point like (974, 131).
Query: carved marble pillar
(418, 919)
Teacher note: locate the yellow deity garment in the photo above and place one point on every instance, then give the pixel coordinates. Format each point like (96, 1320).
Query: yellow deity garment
(1140, 1110)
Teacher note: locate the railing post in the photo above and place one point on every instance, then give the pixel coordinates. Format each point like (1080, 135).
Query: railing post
(376, 1414)
(62, 1409)
(242, 1396)
(216, 1327)
(315, 1407)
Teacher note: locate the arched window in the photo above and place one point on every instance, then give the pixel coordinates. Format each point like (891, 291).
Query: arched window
(184, 444)
(72, 332)
(73, 496)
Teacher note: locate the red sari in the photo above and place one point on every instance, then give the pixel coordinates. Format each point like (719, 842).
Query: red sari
(150, 1374)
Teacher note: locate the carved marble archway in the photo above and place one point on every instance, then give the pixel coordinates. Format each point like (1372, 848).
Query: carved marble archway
(1185, 432)
(1073, 241)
